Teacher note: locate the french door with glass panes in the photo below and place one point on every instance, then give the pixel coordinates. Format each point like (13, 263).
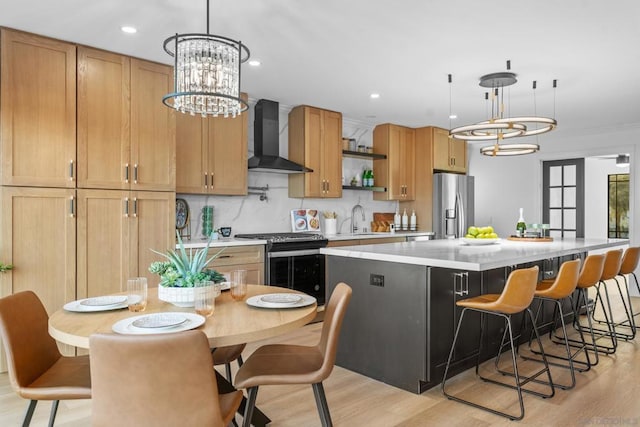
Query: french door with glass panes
(563, 197)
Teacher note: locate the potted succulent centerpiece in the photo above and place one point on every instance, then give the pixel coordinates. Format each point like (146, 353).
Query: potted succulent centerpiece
(182, 272)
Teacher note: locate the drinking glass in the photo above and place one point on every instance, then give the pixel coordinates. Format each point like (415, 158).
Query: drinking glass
(238, 284)
(137, 293)
(205, 298)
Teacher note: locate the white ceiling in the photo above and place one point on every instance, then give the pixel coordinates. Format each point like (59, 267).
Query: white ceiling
(334, 53)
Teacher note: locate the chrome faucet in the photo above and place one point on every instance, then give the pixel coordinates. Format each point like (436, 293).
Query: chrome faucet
(354, 220)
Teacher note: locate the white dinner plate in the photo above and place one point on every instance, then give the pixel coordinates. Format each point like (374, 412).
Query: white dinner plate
(479, 242)
(285, 299)
(80, 306)
(258, 301)
(126, 327)
(159, 320)
(104, 301)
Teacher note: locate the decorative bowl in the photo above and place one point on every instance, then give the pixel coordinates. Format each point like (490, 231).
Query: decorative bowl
(479, 242)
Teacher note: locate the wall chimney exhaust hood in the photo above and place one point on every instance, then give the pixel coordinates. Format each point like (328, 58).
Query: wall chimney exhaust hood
(266, 142)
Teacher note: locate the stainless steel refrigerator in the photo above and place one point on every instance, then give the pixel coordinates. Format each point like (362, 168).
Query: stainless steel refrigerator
(453, 199)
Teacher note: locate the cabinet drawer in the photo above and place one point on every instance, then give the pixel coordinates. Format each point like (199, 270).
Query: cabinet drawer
(233, 255)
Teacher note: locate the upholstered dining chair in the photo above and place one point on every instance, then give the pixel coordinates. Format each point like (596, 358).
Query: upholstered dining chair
(157, 380)
(37, 370)
(226, 355)
(294, 364)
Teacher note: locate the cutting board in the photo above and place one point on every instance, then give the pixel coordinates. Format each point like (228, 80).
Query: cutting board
(383, 216)
(381, 221)
(530, 239)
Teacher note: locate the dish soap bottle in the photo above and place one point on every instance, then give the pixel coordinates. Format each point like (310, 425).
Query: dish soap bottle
(521, 226)
(412, 221)
(396, 220)
(405, 220)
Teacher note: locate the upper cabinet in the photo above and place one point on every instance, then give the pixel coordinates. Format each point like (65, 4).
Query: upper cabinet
(449, 154)
(104, 117)
(398, 172)
(153, 131)
(211, 154)
(315, 140)
(38, 111)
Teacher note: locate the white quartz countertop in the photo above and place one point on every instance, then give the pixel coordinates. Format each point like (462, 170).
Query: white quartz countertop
(457, 255)
(363, 236)
(221, 242)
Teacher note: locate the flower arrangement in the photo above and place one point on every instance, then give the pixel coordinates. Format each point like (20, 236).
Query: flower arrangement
(184, 269)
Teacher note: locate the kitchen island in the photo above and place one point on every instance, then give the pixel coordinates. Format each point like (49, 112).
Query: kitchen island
(400, 323)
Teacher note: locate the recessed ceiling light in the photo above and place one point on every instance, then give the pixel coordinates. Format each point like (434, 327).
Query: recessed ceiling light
(128, 30)
(254, 62)
(375, 95)
(453, 116)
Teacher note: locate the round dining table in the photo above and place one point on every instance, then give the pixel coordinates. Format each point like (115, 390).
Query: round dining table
(233, 322)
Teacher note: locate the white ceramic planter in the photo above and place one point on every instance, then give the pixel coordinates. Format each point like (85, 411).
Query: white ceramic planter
(181, 297)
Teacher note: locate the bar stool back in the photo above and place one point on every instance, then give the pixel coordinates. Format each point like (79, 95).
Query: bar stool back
(515, 298)
(628, 266)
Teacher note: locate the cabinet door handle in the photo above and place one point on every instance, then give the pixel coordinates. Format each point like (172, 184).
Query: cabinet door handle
(71, 174)
(463, 279)
(206, 181)
(225, 256)
(126, 207)
(72, 207)
(135, 173)
(126, 173)
(211, 179)
(135, 207)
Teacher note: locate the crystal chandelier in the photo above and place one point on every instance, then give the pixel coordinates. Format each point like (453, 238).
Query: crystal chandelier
(206, 74)
(499, 127)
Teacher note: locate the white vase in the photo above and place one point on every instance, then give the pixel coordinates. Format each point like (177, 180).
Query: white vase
(181, 297)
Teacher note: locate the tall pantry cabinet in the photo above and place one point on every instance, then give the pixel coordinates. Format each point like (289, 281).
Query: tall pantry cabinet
(58, 230)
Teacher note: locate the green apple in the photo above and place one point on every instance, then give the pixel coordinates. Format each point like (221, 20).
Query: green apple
(473, 231)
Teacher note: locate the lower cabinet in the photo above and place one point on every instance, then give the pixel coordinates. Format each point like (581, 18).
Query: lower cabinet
(117, 231)
(250, 258)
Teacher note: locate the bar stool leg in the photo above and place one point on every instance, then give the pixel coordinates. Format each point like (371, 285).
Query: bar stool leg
(628, 310)
(593, 345)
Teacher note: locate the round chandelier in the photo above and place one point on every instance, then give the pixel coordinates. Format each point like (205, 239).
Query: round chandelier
(206, 74)
(498, 127)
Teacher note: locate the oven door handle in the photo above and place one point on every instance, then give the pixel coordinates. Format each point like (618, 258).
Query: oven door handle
(283, 254)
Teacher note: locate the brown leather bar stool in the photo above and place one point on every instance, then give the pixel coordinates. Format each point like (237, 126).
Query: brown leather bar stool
(515, 298)
(556, 291)
(612, 264)
(590, 275)
(628, 266)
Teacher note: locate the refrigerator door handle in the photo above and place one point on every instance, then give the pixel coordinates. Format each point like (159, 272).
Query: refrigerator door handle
(461, 216)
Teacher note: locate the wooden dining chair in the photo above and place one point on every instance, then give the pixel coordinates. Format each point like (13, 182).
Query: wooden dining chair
(37, 370)
(157, 380)
(295, 364)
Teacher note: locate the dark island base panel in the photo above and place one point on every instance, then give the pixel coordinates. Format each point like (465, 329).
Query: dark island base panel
(400, 323)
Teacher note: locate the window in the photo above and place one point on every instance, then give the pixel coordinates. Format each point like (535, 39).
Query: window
(619, 206)
(563, 197)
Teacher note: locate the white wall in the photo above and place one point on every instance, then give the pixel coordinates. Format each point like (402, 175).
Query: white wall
(596, 173)
(247, 214)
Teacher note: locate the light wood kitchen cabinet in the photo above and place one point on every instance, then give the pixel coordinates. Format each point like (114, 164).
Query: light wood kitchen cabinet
(250, 258)
(398, 172)
(315, 140)
(38, 111)
(422, 204)
(38, 237)
(104, 86)
(449, 154)
(116, 232)
(211, 154)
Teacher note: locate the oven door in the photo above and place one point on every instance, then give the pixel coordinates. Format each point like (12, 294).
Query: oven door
(301, 270)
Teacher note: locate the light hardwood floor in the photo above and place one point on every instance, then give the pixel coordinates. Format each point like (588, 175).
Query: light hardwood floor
(609, 394)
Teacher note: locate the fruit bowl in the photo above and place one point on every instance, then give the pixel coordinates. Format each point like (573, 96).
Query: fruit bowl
(479, 242)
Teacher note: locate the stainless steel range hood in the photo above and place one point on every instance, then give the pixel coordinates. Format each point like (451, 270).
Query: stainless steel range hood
(266, 142)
